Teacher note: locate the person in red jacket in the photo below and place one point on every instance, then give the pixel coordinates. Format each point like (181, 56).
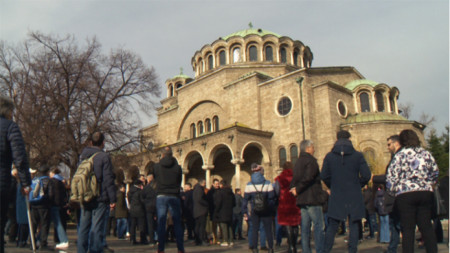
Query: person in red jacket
(288, 212)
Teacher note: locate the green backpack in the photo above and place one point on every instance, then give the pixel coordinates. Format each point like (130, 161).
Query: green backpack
(84, 186)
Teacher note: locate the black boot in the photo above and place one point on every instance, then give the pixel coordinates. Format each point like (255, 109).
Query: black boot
(290, 231)
(294, 239)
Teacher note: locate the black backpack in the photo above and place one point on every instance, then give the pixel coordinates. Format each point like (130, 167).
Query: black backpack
(260, 203)
(57, 193)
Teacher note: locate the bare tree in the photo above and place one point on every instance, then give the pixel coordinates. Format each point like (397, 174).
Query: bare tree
(405, 109)
(64, 91)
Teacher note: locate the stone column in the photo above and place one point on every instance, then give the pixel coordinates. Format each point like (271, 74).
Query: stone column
(237, 162)
(208, 169)
(183, 177)
(388, 103)
(374, 105)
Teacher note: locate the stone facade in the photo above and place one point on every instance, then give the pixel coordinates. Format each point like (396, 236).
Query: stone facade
(254, 97)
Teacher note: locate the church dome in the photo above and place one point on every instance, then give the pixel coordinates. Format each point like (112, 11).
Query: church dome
(250, 48)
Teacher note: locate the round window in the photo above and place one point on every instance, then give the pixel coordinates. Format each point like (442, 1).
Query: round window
(284, 106)
(342, 109)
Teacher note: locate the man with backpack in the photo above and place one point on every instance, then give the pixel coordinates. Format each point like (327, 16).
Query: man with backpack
(40, 206)
(259, 192)
(91, 233)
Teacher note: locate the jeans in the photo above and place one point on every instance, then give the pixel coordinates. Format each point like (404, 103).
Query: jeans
(415, 209)
(173, 205)
(62, 236)
(384, 228)
(262, 234)
(372, 219)
(92, 227)
(237, 225)
(151, 226)
(333, 226)
(227, 232)
(312, 214)
(41, 219)
(394, 227)
(122, 224)
(278, 231)
(256, 220)
(200, 229)
(105, 226)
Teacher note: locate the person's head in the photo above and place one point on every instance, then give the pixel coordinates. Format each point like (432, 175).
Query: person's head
(237, 191)
(288, 165)
(307, 146)
(202, 182)
(343, 134)
(54, 171)
(187, 187)
(44, 169)
(142, 178)
(167, 152)
(393, 143)
(6, 107)
(149, 178)
(215, 183)
(98, 139)
(257, 168)
(223, 183)
(409, 138)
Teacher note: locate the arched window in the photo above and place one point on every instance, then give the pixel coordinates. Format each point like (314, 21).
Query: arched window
(380, 101)
(193, 131)
(216, 124)
(210, 62)
(253, 54)
(208, 125)
(200, 127)
(222, 59)
(171, 90)
(236, 54)
(364, 100)
(282, 155)
(296, 58)
(392, 101)
(369, 156)
(269, 53)
(294, 153)
(179, 85)
(283, 55)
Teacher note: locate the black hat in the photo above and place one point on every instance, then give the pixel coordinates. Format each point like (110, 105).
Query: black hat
(343, 134)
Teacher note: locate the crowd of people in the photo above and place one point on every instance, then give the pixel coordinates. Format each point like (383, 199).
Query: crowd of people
(303, 200)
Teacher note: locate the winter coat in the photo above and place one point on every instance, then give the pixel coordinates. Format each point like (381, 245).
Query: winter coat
(188, 203)
(379, 203)
(237, 210)
(167, 175)
(412, 169)
(224, 202)
(199, 201)
(345, 172)
(210, 199)
(12, 148)
(136, 201)
(57, 193)
(149, 196)
(306, 180)
(103, 170)
(369, 197)
(259, 183)
(288, 212)
(121, 206)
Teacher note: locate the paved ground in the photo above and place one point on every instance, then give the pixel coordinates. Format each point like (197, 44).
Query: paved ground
(120, 246)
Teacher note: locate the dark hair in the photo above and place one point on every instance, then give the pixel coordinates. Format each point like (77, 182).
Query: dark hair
(224, 183)
(343, 134)
(55, 170)
(409, 138)
(167, 151)
(237, 190)
(97, 139)
(288, 165)
(394, 138)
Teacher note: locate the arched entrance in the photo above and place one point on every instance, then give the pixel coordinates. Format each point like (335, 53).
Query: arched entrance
(194, 163)
(251, 154)
(223, 168)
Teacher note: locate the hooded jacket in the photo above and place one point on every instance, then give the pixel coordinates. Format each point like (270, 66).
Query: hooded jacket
(224, 202)
(103, 170)
(167, 175)
(199, 201)
(258, 183)
(345, 172)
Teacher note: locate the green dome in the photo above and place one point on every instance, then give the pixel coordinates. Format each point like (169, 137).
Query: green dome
(251, 31)
(373, 117)
(355, 83)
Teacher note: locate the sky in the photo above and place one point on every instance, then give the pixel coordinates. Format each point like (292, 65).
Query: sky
(403, 43)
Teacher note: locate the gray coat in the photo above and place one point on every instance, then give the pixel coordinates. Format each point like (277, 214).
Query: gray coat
(345, 172)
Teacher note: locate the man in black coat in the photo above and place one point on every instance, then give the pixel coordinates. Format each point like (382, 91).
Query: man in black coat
(200, 212)
(306, 186)
(168, 175)
(12, 149)
(238, 216)
(149, 195)
(188, 207)
(91, 233)
(345, 172)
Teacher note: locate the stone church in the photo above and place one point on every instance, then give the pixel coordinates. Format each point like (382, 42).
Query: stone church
(254, 97)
